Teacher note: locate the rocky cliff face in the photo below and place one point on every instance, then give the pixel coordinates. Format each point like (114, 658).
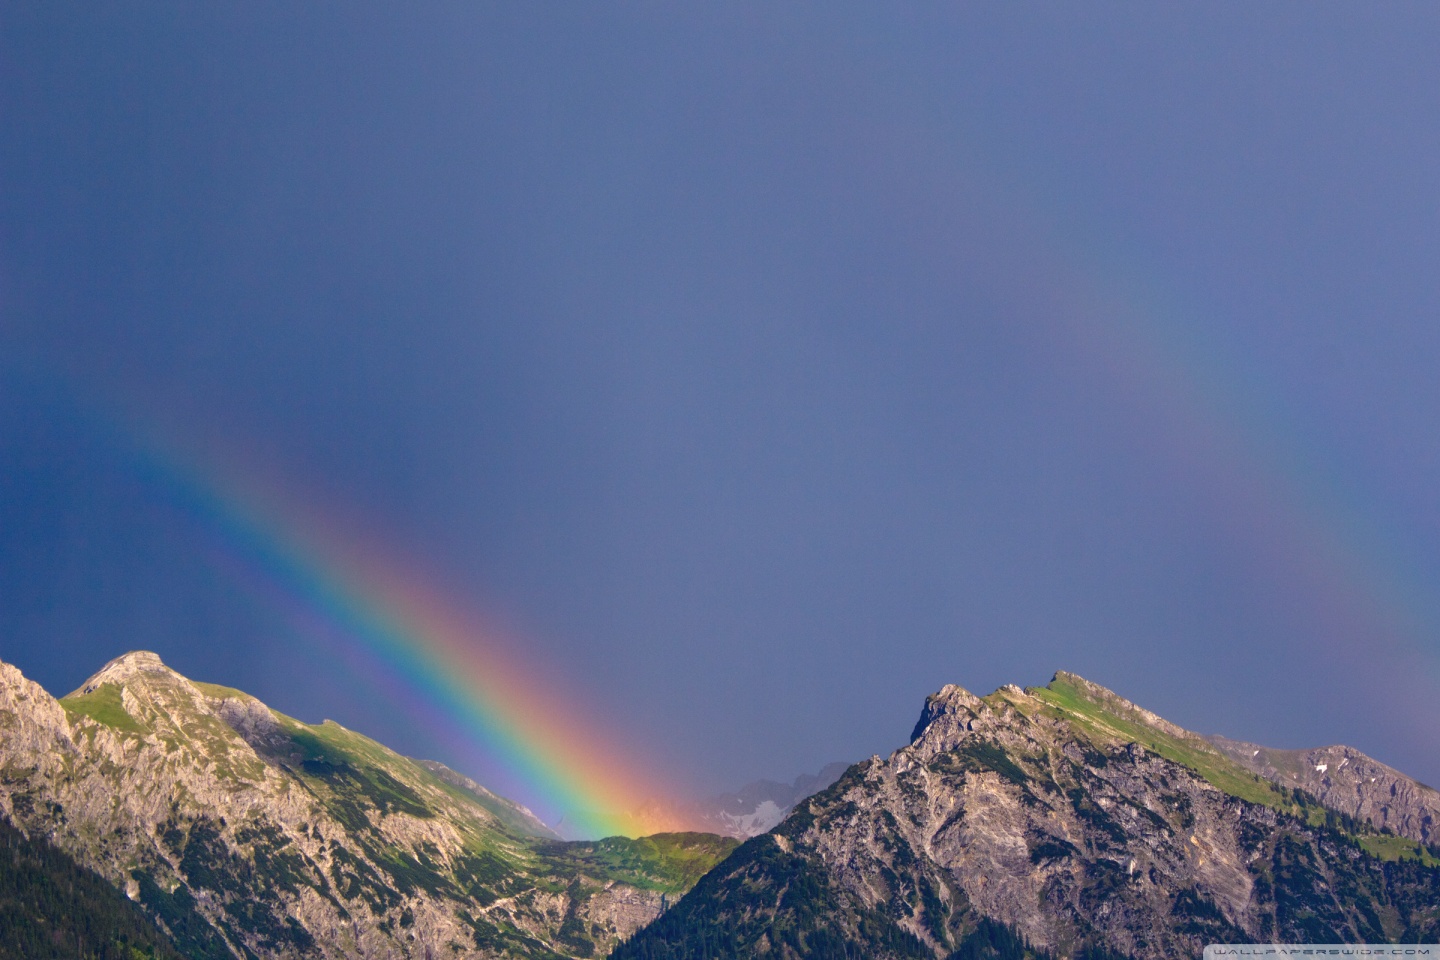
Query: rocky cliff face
(247, 833)
(1346, 780)
(1067, 815)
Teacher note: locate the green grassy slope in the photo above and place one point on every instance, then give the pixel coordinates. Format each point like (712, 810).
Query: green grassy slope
(1100, 720)
(669, 863)
(103, 706)
(504, 855)
(1104, 717)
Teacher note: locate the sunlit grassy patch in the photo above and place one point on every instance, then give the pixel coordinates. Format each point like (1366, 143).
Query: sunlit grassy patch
(666, 862)
(104, 706)
(1099, 721)
(219, 692)
(1390, 847)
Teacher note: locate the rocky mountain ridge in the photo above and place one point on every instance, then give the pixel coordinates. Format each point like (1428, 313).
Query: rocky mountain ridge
(247, 833)
(1060, 822)
(1340, 778)
(1346, 780)
(1080, 822)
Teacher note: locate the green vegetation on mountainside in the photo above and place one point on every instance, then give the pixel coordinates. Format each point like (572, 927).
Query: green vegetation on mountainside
(358, 780)
(218, 692)
(1387, 846)
(392, 829)
(355, 772)
(775, 902)
(668, 863)
(104, 706)
(1100, 721)
(51, 907)
(513, 816)
(767, 899)
(664, 864)
(163, 715)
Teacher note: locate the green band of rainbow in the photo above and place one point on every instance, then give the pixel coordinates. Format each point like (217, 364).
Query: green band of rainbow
(427, 649)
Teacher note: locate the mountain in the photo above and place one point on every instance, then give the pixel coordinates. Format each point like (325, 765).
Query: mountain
(245, 833)
(752, 810)
(1061, 821)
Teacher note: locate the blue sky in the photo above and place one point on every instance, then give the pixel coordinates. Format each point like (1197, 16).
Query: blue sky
(760, 369)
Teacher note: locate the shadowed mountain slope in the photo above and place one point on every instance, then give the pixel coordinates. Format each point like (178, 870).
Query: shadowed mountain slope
(51, 908)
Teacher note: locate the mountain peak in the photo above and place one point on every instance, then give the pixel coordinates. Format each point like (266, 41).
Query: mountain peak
(1066, 682)
(122, 668)
(1093, 690)
(950, 707)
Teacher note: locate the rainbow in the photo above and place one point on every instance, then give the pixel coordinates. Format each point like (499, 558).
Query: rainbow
(1305, 535)
(418, 646)
(1314, 539)
(1323, 550)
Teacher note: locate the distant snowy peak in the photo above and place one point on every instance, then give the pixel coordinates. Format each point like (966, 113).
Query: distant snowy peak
(754, 809)
(760, 820)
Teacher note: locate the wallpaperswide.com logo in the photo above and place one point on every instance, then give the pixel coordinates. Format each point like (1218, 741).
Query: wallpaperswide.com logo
(1285, 951)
